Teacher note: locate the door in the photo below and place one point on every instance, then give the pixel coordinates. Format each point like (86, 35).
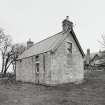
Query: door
(37, 70)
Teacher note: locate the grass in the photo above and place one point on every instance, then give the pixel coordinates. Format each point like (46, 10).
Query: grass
(91, 92)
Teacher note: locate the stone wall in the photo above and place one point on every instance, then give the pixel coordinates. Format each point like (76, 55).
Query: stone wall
(67, 68)
(44, 74)
(47, 68)
(26, 69)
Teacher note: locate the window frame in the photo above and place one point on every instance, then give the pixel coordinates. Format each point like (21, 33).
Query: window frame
(69, 49)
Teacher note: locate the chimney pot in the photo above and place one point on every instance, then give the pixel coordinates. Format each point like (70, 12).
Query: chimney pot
(67, 17)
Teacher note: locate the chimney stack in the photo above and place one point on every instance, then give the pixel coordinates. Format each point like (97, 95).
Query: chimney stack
(88, 52)
(88, 56)
(67, 25)
(29, 43)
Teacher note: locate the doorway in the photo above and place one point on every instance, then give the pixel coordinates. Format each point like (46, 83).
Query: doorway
(37, 70)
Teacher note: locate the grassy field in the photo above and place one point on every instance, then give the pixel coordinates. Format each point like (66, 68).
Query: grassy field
(91, 92)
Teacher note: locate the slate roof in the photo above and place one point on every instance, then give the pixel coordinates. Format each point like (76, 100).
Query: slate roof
(48, 44)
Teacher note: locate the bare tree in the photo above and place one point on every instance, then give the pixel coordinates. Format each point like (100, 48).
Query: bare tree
(17, 49)
(5, 47)
(102, 42)
(9, 52)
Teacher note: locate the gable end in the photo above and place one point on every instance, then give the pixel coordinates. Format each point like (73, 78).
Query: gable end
(77, 42)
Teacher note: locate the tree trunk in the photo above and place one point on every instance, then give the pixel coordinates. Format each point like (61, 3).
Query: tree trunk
(2, 63)
(15, 68)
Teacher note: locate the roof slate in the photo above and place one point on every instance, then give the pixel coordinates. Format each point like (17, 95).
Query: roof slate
(48, 44)
(43, 46)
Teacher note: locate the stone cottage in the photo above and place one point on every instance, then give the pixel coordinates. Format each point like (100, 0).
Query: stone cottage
(54, 60)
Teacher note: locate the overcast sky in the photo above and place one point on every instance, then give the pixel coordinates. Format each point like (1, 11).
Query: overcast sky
(38, 19)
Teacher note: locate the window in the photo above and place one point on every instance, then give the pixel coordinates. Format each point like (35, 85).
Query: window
(20, 60)
(69, 47)
(37, 67)
(37, 57)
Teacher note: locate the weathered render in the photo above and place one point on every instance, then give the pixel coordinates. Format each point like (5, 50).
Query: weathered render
(55, 60)
(67, 67)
